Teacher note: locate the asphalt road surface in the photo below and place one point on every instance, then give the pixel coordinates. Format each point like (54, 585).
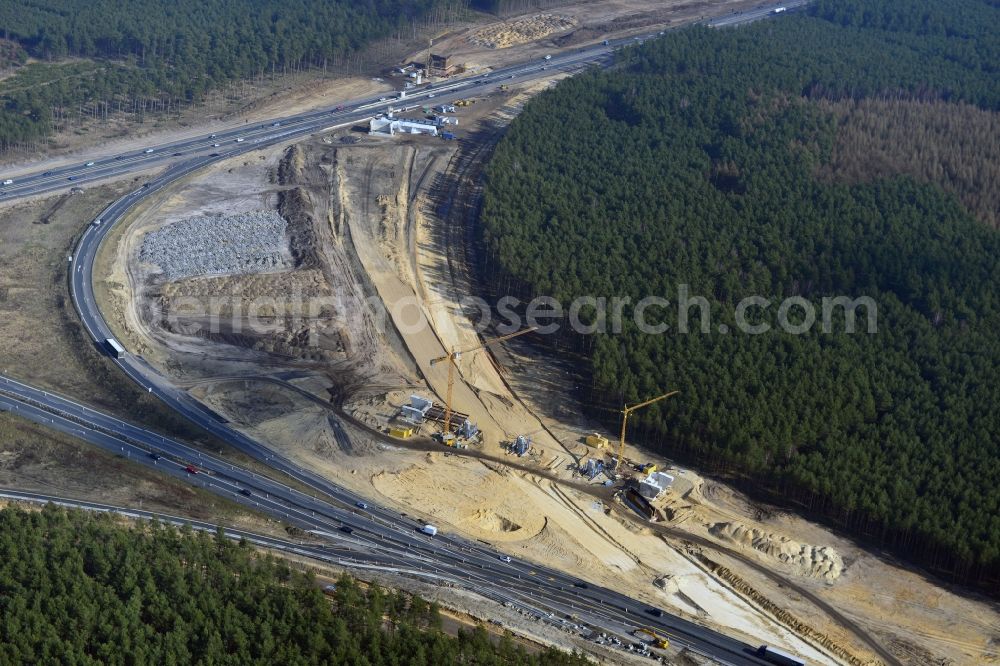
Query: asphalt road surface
(372, 535)
(350, 531)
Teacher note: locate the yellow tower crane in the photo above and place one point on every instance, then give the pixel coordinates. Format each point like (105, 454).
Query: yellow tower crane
(453, 358)
(626, 411)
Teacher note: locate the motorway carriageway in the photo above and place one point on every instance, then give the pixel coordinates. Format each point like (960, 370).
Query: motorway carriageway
(378, 537)
(244, 138)
(376, 529)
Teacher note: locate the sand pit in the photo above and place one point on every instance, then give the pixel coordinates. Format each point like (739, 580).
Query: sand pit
(520, 31)
(815, 561)
(488, 509)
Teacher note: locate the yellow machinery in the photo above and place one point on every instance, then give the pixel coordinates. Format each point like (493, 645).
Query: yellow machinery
(597, 441)
(625, 414)
(452, 359)
(658, 640)
(401, 432)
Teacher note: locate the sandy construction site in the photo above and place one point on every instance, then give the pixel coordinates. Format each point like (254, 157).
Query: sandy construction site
(320, 281)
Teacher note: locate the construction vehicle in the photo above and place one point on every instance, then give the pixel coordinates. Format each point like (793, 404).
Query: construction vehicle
(400, 432)
(776, 656)
(658, 640)
(626, 411)
(464, 102)
(504, 86)
(114, 348)
(452, 360)
(597, 441)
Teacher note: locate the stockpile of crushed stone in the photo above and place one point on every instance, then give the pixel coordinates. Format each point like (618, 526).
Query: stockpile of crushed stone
(243, 243)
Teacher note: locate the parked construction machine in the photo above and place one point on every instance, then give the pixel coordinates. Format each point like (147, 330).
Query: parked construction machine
(657, 640)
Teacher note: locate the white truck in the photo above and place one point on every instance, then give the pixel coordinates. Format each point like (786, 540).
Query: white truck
(114, 348)
(9, 181)
(429, 530)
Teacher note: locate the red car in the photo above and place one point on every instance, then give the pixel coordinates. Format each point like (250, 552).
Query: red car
(191, 469)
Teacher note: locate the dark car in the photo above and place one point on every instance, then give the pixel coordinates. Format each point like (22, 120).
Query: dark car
(245, 492)
(71, 178)
(178, 154)
(47, 173)
(582, 586)
(214, 155)
(339, 108)
(191, 469)
(154, 455)
(361, 505)
(346, 529)
(120, 157)
(655, 612)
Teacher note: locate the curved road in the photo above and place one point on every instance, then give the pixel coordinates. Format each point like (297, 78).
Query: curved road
(381, 535)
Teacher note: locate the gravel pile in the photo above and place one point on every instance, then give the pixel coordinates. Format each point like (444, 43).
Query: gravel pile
(223, 245)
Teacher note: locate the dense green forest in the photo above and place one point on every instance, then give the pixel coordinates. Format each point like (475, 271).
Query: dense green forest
(146, 54)
(78, 588)
(704, 159)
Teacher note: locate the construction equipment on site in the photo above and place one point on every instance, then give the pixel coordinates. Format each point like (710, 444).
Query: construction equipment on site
(464, 102)
(401, 433)
(521, 445)
(626, 411)
(658, 641)
(430, 56)
(592, 468)
(453, 358)
(597, 440)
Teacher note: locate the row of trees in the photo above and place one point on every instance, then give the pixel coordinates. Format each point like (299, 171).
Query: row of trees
(695, 162)
(76, 588)
(179, 50)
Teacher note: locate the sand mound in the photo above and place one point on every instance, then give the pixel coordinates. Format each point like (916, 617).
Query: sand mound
(816, 561)
(519, 31)
(667, 583)
(476, 499)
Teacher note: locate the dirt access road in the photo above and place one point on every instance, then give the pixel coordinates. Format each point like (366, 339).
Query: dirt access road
(383, 220)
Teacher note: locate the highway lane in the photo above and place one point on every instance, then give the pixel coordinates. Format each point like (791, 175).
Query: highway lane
(330, 555)
(545, 594)
(602, 608)
(242, 138)
(751, 15)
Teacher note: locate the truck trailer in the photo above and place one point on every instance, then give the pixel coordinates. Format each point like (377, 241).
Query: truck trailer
(776, 656)
(114, 348)
(429, 530)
